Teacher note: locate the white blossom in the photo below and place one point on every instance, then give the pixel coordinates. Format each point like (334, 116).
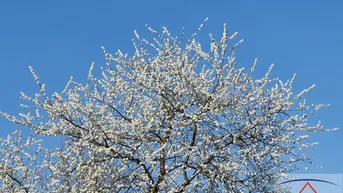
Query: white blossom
(173, 117)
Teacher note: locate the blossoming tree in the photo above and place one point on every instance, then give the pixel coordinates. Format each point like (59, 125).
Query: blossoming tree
(171, 118)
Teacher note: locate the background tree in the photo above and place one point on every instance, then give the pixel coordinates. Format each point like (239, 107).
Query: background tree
(171, 118)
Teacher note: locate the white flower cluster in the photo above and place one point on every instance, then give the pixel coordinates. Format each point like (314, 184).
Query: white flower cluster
(171, 118)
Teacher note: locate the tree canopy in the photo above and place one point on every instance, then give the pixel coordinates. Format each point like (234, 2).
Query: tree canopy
(172, 117)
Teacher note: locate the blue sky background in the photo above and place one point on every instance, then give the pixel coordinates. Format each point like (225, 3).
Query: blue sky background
(61, 38)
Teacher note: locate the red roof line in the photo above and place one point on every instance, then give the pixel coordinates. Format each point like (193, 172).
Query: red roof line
(308, 184)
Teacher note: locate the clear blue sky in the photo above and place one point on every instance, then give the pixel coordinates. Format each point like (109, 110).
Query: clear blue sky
(62, 38)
